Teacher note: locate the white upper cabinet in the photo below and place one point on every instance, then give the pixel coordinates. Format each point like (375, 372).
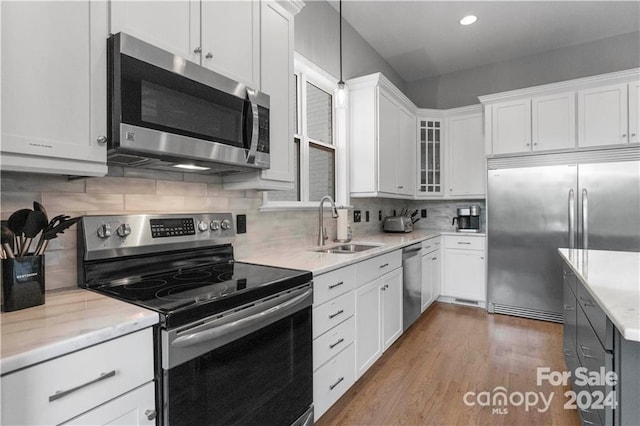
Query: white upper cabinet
(602, 116)
(553, 122)
(511, 125)
(465, 165)
(220, 35)
(429, 155)
(388, 143)
(230, 39)
(382, 139)
(171, 25)
(603, 108)
(54, 87)
(406, 152)
(634, 112)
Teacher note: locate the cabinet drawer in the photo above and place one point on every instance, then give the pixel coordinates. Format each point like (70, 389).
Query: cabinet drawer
(371, 269)
(133, 408)
(57, 390)
(430, 244)
(464, 242)
(333, 341)
(332, 313)
(596, 316)
(332, 380)
(332, 284)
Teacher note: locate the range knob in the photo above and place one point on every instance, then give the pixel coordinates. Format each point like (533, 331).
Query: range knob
(225, 224)
(123, 230)
(202, 226)
(215, 225)
(104, 231)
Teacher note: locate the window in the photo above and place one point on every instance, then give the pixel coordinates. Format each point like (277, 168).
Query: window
(317, 166)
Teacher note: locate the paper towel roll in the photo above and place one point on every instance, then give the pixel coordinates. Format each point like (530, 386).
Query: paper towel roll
(343, 224)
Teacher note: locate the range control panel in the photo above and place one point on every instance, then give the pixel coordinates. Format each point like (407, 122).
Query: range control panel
(172, 227)
(121, 235)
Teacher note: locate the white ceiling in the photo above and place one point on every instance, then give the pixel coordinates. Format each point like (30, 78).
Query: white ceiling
(423, 38)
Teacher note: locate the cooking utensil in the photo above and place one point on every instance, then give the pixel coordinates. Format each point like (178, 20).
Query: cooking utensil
(7, 241)
(52, 232)
(415, 212)
(414, 220)
(16, 225)
(52, 224)
(40, 208)
(36, 222)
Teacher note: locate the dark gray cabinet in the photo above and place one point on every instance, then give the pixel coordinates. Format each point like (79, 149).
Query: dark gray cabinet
(591, 341)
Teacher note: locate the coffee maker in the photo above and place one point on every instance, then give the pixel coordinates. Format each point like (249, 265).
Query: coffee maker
(468, 219)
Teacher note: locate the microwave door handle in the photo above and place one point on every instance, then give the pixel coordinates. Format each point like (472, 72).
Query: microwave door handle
(255, 121)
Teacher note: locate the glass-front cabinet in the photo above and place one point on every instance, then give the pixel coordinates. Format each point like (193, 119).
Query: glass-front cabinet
(429, 157)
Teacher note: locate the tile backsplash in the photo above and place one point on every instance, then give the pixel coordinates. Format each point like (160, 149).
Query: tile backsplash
(133, 191)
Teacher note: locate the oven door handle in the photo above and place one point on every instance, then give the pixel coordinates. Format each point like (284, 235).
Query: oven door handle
(261, 318)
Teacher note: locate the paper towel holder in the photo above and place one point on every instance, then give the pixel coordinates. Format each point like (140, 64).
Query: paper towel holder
(349, 236)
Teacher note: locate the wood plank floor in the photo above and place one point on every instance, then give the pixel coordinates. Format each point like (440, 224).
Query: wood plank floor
(449, 351)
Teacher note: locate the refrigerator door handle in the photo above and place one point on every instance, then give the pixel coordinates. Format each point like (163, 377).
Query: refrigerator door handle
(585, 220)
(572, 219)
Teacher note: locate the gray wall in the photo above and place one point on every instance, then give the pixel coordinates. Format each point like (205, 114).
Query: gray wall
(463, 88)
(317, 37)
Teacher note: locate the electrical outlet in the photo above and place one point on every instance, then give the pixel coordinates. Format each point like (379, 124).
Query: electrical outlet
(241, 224)
(394, 212)
(423, 213)
(366, 216)
(357, 216)
(379, 215)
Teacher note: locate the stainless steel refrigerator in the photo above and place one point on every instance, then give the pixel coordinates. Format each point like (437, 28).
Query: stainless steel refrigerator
(537, 204)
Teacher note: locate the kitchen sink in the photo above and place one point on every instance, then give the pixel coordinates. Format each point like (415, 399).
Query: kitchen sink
(346, 248)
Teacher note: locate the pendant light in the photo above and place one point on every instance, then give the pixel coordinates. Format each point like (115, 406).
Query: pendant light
(341, 89)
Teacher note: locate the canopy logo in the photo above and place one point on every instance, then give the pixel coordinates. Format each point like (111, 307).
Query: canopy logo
(500, 399)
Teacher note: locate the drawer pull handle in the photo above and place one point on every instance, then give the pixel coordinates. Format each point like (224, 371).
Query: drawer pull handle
(151, 414)
(336, 343)
(463, 242)
(587, 302)
(331, 387)
(384, 266)
(335, 285)
(582, 351)
(569, 308)
(427, 247)
(332, 316)
(62, 394)
(434, 258)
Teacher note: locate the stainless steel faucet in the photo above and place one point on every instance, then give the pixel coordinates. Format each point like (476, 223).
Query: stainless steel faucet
(322, 232)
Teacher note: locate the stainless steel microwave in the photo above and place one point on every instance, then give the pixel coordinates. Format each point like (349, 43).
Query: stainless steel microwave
(168, 113)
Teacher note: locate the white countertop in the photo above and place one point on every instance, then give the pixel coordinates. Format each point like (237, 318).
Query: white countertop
(69, 320)
(613, 280)
(300, 256)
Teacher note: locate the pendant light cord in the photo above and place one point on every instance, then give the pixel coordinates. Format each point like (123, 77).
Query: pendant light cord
(341, 82)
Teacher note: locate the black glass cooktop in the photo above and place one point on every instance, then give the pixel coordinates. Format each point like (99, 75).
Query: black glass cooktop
(184, 294)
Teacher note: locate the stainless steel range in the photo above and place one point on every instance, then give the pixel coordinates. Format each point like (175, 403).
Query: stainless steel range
(234, 344)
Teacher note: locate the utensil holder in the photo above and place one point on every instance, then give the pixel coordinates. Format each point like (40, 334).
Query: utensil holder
(22, 282)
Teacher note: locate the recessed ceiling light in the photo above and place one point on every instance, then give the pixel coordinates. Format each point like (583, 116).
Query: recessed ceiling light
(468, 20)
(190, 167)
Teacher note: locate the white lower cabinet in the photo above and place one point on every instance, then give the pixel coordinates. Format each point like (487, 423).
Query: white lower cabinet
(430, 272)
(378, 318)
(464, 268)
(333, 337)
(134, 408)
(63, 388)
(332, 380)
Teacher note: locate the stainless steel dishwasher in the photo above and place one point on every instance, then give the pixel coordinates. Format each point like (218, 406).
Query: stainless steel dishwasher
(411, 283)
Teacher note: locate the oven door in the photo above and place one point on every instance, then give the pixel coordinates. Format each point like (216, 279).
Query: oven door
(250, 367)
(166, 107)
